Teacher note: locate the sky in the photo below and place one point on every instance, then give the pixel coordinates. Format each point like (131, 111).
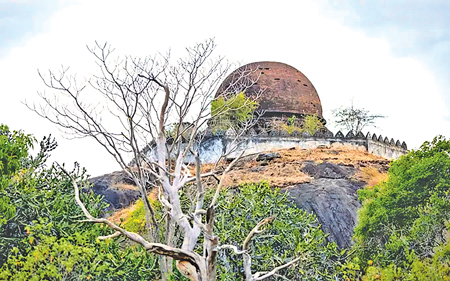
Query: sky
(390, 57)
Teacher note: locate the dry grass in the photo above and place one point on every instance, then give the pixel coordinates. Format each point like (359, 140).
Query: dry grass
(371, 175)
(277, 174)
(125, 213)
(285, 171)
(338, 155)
(124, 186)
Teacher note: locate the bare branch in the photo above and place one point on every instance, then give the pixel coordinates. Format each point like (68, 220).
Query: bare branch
(114, 235)
(254, 231)
(232, 247)
(275, 270)
(222, 179)
(158, 248)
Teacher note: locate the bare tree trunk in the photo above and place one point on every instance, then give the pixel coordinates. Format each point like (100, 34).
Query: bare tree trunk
(148, 220)
(169, 240)
(211, 245)
(163, 268)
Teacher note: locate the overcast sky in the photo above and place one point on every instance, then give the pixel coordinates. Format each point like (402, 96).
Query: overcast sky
(390, 56)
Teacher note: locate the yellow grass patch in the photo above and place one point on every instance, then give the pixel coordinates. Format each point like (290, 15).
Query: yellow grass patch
(371, 175)
(125, 213)
(285, 171)
(124, 186)
(277, 174)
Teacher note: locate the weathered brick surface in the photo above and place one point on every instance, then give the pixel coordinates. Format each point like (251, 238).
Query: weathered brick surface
(287, 91)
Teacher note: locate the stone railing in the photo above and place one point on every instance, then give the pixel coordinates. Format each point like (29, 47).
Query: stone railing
(253, 142)
(214, 145)
(319, 134)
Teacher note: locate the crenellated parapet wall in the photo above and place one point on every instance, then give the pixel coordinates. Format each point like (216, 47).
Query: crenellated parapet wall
(385, 147)
(213, 145)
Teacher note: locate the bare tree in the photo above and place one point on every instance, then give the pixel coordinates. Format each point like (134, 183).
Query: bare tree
(355, 119)
(144, 96)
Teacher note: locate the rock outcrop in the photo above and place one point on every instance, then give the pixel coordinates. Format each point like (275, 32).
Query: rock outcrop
(117, 188)
(331, 196)
(323, 181)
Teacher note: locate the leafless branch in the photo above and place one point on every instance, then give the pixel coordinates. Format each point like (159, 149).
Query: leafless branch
(275, 270)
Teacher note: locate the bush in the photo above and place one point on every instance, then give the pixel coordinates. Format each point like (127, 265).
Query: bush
(435, 268)
(231, 111)
(14, 147)
(293, 232)
(311, 124)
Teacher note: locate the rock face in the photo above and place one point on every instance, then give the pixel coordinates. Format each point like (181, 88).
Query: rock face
(327, 170)
(331, 196)
(322, 181)
(117, 198)
(267, 156)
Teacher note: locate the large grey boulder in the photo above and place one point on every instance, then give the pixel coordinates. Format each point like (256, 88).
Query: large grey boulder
(327, 170)
(331, 196)
(117, 198)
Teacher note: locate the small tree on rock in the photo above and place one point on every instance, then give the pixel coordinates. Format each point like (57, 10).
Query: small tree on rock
(355, 119)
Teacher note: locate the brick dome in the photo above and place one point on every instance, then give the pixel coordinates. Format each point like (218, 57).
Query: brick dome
(286, 91)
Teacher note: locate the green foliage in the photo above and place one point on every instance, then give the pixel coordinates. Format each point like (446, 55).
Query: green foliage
(231, 111)
(44, 239)
(312, 124)
(77, 257)
(291, 121)
(14, 147)
(290, 127)
(403, 219)
(136, 221)
(293, 232)
(434, 268)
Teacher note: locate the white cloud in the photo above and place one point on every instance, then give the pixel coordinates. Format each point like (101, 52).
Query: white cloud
(341, 62)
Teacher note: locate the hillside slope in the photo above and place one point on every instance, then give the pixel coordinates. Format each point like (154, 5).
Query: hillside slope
(322, 180)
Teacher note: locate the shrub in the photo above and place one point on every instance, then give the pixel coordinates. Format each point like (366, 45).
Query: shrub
(293, 232)
(311, 124)
(230, 111)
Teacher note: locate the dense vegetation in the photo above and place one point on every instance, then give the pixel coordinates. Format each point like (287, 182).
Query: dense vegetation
(231, 111)
(293, 232)
(403, 224)
(402, 232)
(41, 237)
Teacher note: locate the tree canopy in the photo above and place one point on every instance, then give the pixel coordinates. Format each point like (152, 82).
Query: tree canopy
(403, 222)
(14, 146)
(42, 238)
